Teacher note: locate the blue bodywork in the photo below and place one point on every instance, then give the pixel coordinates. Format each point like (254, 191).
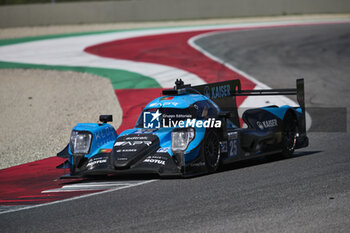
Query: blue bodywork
(180, 101)
(281, 111)
(103, 137)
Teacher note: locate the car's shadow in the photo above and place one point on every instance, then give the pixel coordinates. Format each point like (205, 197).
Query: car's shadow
(263, 160)
(224, 168)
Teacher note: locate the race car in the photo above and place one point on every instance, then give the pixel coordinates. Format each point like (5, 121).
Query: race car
(189, 130)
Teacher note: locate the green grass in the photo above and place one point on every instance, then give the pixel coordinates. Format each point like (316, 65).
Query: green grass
(120, 79)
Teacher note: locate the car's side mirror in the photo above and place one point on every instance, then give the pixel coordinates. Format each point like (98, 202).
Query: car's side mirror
(106, 118)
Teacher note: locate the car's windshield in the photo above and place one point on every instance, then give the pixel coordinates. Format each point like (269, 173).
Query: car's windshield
(155, 115)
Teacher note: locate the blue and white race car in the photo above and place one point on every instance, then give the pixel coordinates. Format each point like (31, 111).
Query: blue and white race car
(188, 131)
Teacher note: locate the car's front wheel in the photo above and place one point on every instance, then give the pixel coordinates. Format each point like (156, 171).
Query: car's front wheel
(211, 151)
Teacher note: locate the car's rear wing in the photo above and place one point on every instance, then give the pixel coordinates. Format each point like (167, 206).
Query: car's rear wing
(224, 95)
(298, 91)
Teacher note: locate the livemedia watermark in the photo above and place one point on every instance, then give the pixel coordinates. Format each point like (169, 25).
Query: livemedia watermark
(156, 119)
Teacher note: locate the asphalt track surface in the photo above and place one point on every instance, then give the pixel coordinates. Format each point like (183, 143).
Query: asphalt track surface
(307, 193)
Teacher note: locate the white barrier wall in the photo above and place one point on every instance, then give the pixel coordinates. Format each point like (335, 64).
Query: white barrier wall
(156, 10)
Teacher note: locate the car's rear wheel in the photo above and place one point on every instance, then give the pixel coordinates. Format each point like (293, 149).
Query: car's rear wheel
(211, 151)
(290, 131)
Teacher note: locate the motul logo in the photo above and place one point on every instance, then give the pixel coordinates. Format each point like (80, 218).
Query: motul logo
(132, 143)
(157, 161)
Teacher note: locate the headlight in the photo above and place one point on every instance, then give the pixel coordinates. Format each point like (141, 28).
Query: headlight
(80, 142)
(181, 138)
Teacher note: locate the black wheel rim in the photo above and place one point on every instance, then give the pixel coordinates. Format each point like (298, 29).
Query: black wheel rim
(212, 150)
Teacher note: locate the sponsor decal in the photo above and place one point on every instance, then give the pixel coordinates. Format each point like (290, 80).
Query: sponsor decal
(155, 159)
(166, 104)
(104, 136)
(132, 143)
(145, 131)
(217, 91)
(136, 138)
(199, 164)
(93, 162)
(155, 105)
(260, 125)
(267, 124)
(232, 135)
(170, 104)
(105, 151)
(126, 150)
(167, 98)
(163, 150)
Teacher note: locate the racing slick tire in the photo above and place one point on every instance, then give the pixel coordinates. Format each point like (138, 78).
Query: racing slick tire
(289, 135)
(211, 151)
